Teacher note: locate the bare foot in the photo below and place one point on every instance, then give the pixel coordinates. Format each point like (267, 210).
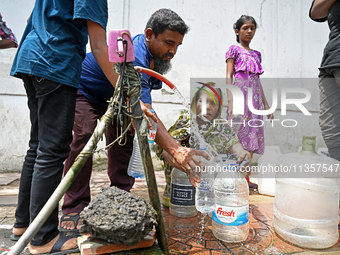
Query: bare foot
(70, 224)
(18, 231)
(46, 248)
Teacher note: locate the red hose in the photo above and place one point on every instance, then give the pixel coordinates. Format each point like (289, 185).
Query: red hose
(156, 75)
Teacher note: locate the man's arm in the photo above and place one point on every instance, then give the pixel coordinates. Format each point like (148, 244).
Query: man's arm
(182, 158)
(7, 43)
(99, 48)
(320, 9)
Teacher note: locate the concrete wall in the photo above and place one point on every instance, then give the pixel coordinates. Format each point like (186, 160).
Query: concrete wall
(291, 45)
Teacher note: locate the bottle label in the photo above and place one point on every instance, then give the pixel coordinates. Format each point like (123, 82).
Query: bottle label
(182, 195)
(231, 216)
(152, 135)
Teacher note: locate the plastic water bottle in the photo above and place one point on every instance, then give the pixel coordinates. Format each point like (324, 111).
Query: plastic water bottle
(152, 133)
(182, 199)
(306, 209)
(205, 196)
(230, 221)
(135, 168)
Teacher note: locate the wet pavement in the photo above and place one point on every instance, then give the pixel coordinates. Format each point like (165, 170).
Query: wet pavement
(183, 233)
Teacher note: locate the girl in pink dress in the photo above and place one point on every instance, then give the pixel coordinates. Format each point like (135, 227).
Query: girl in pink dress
(244, 64)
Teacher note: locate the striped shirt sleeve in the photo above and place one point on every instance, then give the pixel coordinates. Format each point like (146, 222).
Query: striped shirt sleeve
(6, 32)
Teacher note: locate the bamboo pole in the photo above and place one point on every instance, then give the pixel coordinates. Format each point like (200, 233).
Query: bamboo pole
(142, 133)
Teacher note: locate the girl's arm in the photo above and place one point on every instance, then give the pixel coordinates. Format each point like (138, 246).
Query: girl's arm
(265, 103)
(320, 8)
(229, 81)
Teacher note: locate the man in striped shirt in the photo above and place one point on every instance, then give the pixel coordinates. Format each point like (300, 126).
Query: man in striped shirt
(7, 36)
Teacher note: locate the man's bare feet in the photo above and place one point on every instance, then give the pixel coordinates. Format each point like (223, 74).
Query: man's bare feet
(68, 245)
(18, 231)
(69, 221)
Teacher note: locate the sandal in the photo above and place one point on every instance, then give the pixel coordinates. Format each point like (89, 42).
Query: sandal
(64, 236)
(253, 186)
(15, 237)
(73, 218)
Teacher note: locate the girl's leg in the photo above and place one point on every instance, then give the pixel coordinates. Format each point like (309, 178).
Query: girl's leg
(248, 173)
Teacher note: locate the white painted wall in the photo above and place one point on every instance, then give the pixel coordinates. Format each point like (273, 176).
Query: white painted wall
(291, 45)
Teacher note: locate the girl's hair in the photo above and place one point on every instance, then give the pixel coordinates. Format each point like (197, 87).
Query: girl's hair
(239, 23)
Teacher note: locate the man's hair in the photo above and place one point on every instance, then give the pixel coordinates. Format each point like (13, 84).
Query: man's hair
(164, 19)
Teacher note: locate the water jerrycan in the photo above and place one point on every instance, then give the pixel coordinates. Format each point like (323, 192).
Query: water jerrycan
(306, 209)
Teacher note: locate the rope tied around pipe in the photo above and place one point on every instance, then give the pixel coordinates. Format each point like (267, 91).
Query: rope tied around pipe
(131, 87)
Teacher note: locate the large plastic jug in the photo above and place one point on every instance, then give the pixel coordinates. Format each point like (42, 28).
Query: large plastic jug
(306, 210)
(266, 177)
(182, 198)
(230, 220)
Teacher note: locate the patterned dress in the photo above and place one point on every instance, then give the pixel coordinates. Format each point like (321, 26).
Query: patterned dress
(247, 71)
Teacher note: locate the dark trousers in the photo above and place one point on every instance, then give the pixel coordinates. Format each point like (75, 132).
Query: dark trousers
(78, 195)
(52, 107)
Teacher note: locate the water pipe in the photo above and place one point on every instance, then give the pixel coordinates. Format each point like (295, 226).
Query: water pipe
(156, 75)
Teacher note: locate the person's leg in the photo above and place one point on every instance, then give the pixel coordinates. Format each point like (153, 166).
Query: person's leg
(22, 218)
(119, 157)
(78, 195)
(56, 107)
(329, 119)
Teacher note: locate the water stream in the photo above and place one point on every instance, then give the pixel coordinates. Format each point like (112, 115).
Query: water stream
(197, 141)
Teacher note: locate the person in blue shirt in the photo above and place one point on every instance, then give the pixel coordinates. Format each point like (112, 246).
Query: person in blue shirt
(48, 61)
(154, 49)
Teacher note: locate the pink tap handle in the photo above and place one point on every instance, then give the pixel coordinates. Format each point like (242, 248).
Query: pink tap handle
(117, 48)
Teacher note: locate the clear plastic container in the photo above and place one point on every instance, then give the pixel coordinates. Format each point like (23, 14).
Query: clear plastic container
(182, 198)
(135, 168)
(205, 196)
(306, 210)
(266, 179)
(230, 221)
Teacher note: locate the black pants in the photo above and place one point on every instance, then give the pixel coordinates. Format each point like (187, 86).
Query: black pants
(52, 107)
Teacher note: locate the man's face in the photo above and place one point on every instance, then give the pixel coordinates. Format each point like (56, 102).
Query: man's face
(163, 48)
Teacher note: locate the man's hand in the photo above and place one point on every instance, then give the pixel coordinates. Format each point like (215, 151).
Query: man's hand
(186, 160)
(148, 114)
